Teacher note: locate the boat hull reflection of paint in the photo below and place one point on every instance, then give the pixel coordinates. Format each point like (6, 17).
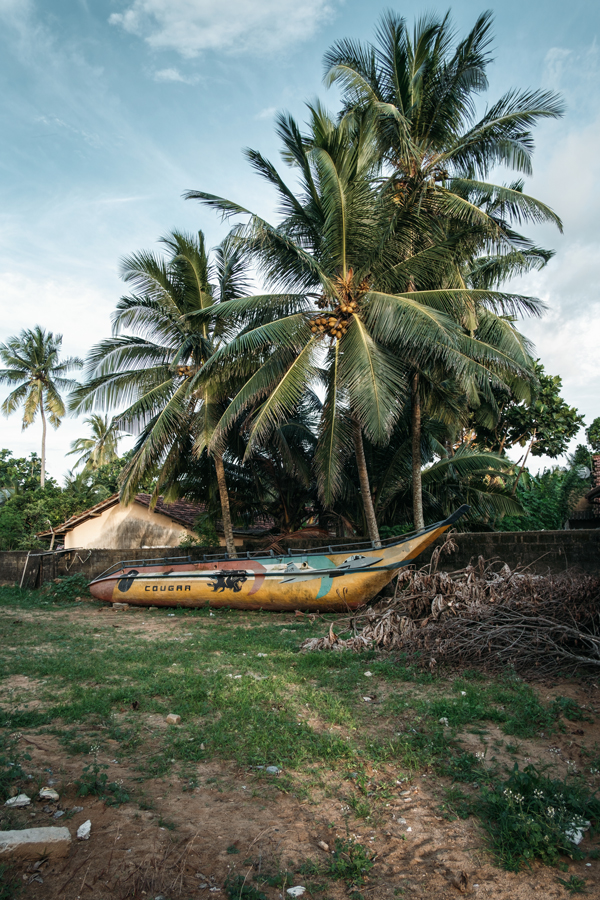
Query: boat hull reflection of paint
(328, 579)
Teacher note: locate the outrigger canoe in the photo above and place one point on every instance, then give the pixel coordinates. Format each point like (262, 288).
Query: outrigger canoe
(327, 579)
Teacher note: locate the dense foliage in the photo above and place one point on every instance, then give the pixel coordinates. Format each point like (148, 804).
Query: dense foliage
(26, 508)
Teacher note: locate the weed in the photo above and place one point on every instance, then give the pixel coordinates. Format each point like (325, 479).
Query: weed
(166, 823)
(570, 709)
(10, 884)
(232, 849)
(361, 807)
(574, 885)
(349, 861)
(465, 767)
(457, 805)
(94, 782)
(277, 879)
(531, 816)
(10, 765)
(239, 888)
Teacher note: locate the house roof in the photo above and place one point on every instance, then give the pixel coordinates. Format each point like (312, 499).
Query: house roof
(184, 512)
(594, 494)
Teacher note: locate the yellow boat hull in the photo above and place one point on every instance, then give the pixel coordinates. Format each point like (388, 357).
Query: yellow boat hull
(316, 581)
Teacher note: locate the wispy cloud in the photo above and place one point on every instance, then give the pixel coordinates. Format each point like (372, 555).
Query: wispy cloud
(266, 113)
(191, 26)
(176, 76)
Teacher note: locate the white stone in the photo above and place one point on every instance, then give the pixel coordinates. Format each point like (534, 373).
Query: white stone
(18, 802)
(48, 793)
(296, 891)
(35, 843)
(83, 832)
(173, 719)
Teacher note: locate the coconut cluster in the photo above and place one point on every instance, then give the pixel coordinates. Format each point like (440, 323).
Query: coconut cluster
(337, 321)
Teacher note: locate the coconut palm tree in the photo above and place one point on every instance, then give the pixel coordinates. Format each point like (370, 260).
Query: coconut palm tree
(420, 89)
(101, 447)
(344, 310)
(153, 370)
(33, 364)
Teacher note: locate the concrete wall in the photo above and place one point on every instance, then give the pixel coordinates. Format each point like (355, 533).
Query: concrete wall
(542, 551)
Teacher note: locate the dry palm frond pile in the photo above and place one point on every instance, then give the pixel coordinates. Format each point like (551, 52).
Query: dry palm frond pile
(485, 615)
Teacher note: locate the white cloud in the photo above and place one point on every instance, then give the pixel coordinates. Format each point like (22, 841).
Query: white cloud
(174, 75)
(267, 113)
(191, 26)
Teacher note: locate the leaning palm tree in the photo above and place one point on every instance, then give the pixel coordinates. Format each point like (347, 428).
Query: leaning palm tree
(420, 89)
(153, 369)
(344, 310)
(102, 445)
(33, 364)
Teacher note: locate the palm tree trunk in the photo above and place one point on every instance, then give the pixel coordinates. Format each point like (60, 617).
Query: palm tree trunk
(365, 489)
(225, 511)
(417, 489)
(43, 472)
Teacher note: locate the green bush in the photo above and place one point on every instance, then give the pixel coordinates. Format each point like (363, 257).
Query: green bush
(66, 589)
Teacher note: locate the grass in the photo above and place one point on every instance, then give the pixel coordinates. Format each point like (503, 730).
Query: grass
(100, 686)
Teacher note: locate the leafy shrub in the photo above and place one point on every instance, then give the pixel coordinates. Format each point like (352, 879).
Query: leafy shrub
(66, 589)
(206, 535)
(530, 816)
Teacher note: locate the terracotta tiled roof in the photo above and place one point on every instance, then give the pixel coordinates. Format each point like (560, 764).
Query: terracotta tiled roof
(182, 511)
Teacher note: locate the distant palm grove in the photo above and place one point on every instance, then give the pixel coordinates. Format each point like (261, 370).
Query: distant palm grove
(377, 377)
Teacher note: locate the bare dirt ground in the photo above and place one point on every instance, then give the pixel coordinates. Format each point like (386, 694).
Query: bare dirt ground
(193, 838)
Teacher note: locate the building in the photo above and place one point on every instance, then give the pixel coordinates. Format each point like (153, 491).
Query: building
(111, 525)
(587, 512)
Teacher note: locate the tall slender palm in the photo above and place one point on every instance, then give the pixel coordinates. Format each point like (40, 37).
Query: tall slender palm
(101, 447)
(420, 88)
(341, 312)
(33, 364)
(154, 369)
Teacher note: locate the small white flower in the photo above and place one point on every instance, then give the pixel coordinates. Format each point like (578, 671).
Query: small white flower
(551, 812)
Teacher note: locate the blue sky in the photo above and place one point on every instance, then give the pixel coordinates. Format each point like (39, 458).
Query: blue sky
(110, 109)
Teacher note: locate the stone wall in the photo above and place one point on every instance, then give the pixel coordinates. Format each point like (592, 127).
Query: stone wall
(542, 551)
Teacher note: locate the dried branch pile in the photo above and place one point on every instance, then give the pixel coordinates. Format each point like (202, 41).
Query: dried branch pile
(485, 615)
